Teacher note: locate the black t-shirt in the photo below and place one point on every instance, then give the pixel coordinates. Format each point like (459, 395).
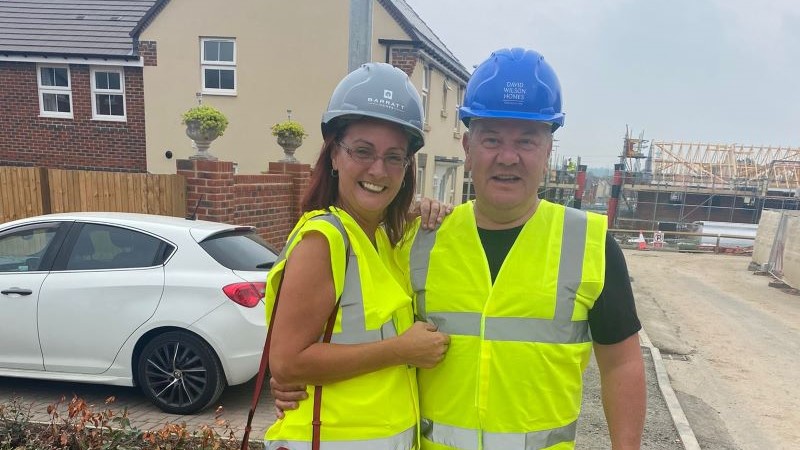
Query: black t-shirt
(613, 317)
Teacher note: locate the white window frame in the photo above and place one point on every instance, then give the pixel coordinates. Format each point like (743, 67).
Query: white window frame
(459, 102)
(420, 182)
(120, 91)
(426, 92)
(445, 88)
(56, 90)
(217, 65)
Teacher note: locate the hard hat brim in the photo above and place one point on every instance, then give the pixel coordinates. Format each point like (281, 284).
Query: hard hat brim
(466, 114)
(332, 120)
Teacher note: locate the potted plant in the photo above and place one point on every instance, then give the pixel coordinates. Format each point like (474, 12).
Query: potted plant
(204, 123)
(290, 134)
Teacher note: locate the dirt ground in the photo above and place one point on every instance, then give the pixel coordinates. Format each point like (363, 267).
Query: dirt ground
(730, 344)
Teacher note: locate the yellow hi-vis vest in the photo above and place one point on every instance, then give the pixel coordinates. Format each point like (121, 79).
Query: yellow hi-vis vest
(377, 410)
(511, 378)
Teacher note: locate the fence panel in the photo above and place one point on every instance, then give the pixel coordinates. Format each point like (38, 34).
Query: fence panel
(765, 237)
(26, 191)
(20, 192)
(791, 252)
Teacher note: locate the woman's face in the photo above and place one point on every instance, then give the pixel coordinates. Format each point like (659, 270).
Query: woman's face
(371, 158)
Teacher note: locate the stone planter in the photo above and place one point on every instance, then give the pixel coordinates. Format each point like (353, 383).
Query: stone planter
(289, 145)
(202, 140)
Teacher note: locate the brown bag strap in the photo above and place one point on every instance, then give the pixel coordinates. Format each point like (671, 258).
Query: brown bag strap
(262, 371)
(316, 424)
(264, 366)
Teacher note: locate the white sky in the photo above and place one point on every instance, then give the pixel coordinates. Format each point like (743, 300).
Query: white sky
(718, 71)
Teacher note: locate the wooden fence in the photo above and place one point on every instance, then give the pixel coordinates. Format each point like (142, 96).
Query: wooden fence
(30, 191)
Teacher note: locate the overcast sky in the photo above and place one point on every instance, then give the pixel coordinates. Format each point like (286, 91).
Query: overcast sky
(718, 71)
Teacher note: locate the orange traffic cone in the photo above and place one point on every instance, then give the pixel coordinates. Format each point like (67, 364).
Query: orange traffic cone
(642, 242)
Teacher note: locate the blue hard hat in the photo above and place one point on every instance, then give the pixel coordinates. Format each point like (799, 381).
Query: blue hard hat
(514, 84)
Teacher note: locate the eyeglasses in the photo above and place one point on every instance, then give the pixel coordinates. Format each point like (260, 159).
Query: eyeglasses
(367, 156)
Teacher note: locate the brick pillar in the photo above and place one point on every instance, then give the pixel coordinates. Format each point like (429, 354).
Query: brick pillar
(300, 175)
(211, 184)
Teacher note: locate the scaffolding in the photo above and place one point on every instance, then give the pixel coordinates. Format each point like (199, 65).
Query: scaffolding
(684, 182)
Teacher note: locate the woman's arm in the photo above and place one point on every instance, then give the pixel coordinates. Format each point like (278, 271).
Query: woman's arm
(307, 299)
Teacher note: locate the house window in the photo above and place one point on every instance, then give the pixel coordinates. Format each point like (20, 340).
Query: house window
(55, 91)
(468, 191)
(420, 182)
(445, 87)
(426, 90)
(218, 66)
(108, 94)
(459, 102)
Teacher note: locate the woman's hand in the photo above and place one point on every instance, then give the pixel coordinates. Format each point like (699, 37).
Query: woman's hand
(422, 346)
(431, 212)
(287, 397)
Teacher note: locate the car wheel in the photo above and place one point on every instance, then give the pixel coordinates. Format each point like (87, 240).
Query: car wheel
(180, 373)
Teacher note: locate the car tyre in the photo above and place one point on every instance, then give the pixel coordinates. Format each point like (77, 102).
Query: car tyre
(180, 373)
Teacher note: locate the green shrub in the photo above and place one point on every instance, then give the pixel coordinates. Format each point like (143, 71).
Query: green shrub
(288, 128)
(210, 118)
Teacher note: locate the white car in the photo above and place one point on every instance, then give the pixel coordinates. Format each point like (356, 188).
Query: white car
(172, 305)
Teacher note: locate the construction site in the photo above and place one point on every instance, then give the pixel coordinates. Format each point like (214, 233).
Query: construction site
(669, 185)
(665, 185)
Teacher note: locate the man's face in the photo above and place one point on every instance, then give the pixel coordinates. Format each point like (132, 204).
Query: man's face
(508, 159)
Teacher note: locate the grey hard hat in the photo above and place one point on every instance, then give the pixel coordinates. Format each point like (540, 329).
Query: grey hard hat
(381, 91)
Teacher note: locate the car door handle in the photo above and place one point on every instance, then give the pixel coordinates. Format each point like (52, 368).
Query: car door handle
(16, 291)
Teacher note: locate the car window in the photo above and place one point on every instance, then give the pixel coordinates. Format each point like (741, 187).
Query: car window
(240, 250)
(110, 247)
(22, 250)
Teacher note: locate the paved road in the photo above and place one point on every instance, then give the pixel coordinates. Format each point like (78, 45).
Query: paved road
(730, 344)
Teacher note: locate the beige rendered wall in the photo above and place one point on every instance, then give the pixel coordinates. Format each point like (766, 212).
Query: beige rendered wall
(439, 137)
(289, 55)
(442, 136)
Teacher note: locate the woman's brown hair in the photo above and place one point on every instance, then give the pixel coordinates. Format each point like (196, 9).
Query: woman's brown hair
(323, 189)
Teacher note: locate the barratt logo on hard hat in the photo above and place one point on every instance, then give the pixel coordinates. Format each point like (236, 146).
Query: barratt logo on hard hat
(387, 102)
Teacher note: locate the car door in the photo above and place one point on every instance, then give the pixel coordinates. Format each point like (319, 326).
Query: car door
(105, 283)
(26, 254)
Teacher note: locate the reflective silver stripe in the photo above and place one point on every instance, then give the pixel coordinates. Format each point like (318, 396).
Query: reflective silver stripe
(570, 267)
(559, 330)
(512, 328)
(536, 330)
(460, 323)
(363, 336)
(400, 441)
(354, 328)
(467, 439)
(420, 262)
(449, 435)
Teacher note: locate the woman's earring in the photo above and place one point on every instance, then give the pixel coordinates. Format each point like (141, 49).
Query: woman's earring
(403, 184)
(334, 173)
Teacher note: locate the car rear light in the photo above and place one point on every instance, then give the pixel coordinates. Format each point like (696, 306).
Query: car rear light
(245, 294)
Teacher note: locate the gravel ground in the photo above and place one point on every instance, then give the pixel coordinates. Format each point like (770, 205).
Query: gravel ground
(659, 431)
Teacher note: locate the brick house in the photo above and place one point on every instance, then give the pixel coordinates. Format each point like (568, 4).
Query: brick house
(71, 87)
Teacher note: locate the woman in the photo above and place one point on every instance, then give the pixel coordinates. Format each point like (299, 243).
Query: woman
(344, 320)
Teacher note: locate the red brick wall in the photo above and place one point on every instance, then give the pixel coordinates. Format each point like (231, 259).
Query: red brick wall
(270, 202)
(78, 143)
(405, 59)
(148, 50)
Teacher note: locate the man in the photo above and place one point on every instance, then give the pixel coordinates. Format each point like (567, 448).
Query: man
(525, 288)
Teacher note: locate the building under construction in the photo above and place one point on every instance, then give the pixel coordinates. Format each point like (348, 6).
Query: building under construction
(666, 185)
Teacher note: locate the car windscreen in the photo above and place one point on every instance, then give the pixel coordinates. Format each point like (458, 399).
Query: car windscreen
(240, 250)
